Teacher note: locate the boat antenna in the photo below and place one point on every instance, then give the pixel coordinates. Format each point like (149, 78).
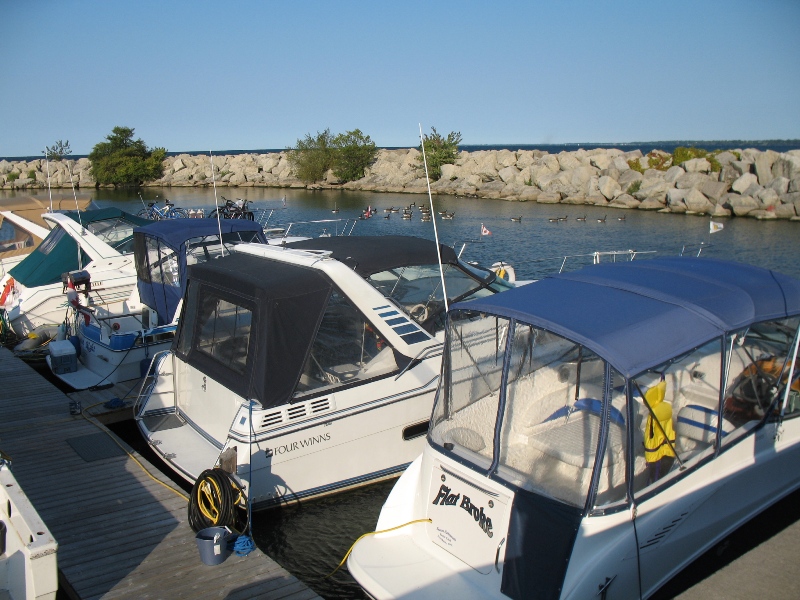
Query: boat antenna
(216, 205)
(433, 219)
(74, 195)
(49, 191)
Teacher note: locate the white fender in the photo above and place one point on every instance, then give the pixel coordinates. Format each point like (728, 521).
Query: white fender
(504, 271)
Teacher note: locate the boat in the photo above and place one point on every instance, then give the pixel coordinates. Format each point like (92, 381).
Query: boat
(595, 432)
(307, 368)
(117, 340)
(99, 242)
(30, 552)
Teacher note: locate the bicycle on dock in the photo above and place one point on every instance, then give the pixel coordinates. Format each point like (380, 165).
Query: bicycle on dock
(169, 211)
(233, 209)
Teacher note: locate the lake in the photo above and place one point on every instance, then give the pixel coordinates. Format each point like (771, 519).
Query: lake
(309, 540)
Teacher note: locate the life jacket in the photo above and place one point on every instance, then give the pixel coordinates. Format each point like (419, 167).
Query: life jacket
(655, 442)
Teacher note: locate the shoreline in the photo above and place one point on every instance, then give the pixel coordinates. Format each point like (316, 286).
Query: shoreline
(749, 182)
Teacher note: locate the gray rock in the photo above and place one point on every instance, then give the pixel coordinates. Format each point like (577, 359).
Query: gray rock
(720, 211)
(714, 190)
(741, 205)
(673, 173)
(768, 197)
(596, 200)
(505, 158)
(626, 178)
(529, 194)
(696, 165)
(525, 158)
(620, 164)
(654, 174)
(744, 182)
(752, 190)
(779, 184)
(549, 198)
(742, 167)
(450, 172)
(788, 165)
(725, 158)
(697, 203)
(785, 211)
(790, 197)
(608, 187)
(676, 196)
(762, 214)
(653, 203)
(691, 180)
(794, 185)
(601, 161)
(763, 166)
(578, 199)
(624, 201)
(728, 174)
(580, 177)
(568, 161)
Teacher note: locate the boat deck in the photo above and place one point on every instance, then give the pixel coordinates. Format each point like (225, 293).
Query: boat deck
(121, 534)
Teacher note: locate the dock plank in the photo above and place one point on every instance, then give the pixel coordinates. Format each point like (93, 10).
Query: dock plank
(121, 534)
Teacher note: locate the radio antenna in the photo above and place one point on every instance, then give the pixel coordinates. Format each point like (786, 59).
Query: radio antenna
(433, 218)
(216, 206)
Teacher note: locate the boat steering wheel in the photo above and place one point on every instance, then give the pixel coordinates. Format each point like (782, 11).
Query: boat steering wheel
(419, 312)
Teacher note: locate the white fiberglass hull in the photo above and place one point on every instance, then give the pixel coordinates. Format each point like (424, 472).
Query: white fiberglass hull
(301, 450)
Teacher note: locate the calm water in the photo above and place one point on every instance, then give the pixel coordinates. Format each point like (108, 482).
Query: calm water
(311, 539)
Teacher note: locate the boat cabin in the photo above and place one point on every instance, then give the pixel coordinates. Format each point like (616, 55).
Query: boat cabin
(597, 430)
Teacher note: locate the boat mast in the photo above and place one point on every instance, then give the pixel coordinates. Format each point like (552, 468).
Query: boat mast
(433, 219)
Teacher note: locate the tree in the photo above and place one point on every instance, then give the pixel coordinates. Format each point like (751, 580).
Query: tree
(353, 153)
(58, 150)
(123, 161)
(312, 157)
(440, 151)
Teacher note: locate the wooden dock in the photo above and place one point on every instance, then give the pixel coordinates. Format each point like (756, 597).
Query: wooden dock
(120, 533)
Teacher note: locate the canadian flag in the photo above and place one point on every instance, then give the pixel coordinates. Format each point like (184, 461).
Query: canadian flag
(485, 231)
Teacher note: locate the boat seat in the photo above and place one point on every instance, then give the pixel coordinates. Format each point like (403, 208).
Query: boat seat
(699, 423)
(590, 405)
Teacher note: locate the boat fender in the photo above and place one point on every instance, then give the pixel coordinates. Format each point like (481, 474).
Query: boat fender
(504, 271)
(9, 287)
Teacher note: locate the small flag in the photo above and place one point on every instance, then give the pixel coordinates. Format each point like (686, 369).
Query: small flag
(485, 231)
(714, 227)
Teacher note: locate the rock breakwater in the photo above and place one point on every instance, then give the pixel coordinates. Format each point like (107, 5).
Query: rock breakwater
(743, 183)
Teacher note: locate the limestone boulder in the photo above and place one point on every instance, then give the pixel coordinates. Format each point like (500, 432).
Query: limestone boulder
(450, 172)
(742, 166)
(779, 184)
(697, 203)
(725, 158)
(785, 211)
(744, 182)
(509, 174)
(787, 165)
(690, 180)
(597, 200)
(525, 158)
(652, 188)
(549, 198)
(720, 211)
(741, 206)
(714, 190)
(608, 187)
(601, 161)
(626, 178)
(581, 176)
(653, 203)
(568, 161)
(676, 196)
(673, 173)
(624, 201)
(505, 158)
(529, 193)
(728, 174)
(763, 166)
(578, 199)
(768, 198)
(697, 165)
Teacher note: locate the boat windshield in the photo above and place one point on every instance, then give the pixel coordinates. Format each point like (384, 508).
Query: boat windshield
(552, 416)
(117, 233)
(418, 289)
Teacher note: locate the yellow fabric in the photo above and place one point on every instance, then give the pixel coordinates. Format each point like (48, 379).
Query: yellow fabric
(655, 444)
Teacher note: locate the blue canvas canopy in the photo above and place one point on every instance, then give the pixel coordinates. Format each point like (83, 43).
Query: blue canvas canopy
(156, 244)
(640, 314)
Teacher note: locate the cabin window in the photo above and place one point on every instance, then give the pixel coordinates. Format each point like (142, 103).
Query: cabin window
(347, 350)
(676, 415)
(418, 291)
(465, 413)
(162, 264)
(760, 358)
(224, 331)
(553, 416)
(13, 237)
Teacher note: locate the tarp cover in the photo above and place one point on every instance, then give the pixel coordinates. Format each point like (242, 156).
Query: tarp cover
(373, 254)
(175, 233)
(287, 302)
(45, 269)
(640, 314)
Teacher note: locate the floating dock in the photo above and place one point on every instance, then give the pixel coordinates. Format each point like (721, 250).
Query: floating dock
(120, 532)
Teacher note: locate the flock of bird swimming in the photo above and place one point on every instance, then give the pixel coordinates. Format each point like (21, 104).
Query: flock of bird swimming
(560, 219)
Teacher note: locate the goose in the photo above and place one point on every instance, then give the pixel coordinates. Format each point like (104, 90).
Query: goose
(553, 219)
(583, 218)
(603, 220)
(622, 218)
(448, 216)
(562, 218)
(516, 219)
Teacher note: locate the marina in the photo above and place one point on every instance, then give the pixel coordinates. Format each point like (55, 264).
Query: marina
(311, 538)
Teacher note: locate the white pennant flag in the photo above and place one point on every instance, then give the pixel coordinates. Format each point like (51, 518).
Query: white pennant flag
(714, 227)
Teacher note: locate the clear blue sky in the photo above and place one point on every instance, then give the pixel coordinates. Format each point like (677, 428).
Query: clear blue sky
(221, 75)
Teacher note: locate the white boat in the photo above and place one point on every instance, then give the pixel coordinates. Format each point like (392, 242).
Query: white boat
(594, 433)
(307, 368)
(28, 561)
(99, 242)
(118, 339)
(22, 229)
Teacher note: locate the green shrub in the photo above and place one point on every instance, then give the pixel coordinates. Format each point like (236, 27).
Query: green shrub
(58, 150)
(32, 174)
(353, 152)
(13, 176)
(312, 157)
(659, 161)
(123, 161)
(634, 187)
(636, 165)
(682, 154)
(439, 151)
